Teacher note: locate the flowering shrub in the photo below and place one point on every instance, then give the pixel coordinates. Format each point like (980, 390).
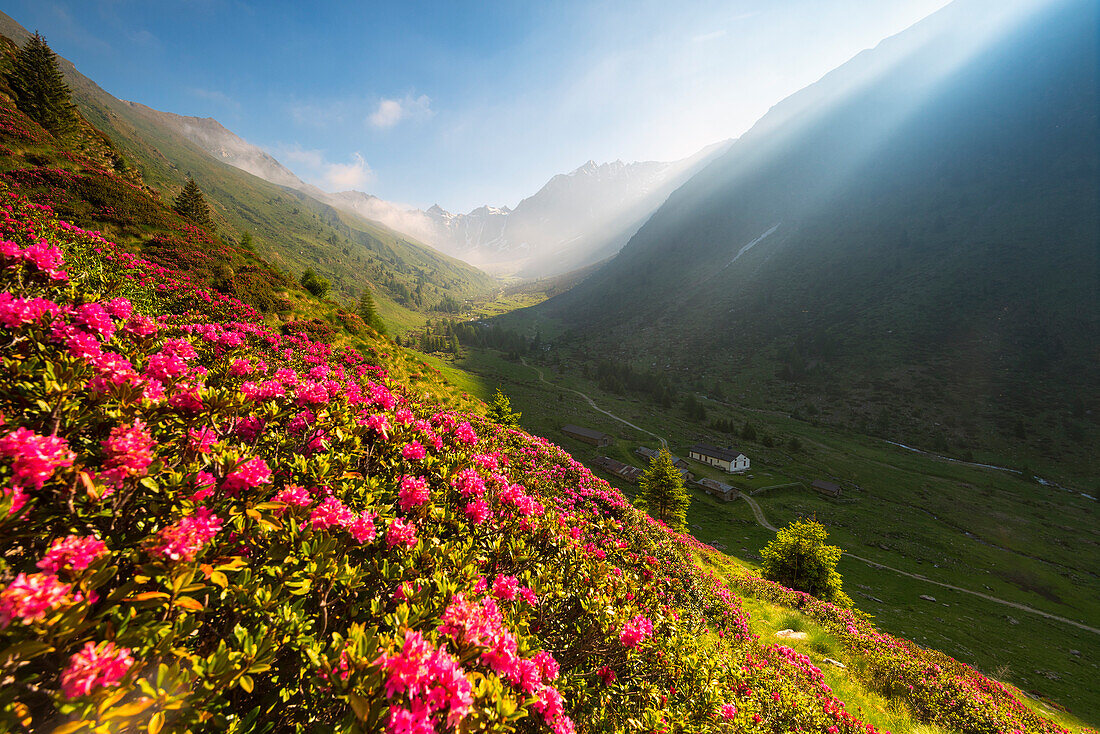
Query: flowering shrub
(937, 689)
(208, 525)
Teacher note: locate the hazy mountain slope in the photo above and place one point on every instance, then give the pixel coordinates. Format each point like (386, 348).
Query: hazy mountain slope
(575, 220)
(923, 231)
(290, 228)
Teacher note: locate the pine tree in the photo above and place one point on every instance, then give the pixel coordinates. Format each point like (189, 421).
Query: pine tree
(191, 204)
(369, 312)
(500, 410)
(39, 88)
(662, 492)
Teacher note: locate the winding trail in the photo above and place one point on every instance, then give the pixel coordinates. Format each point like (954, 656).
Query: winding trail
(592, 403)
(758, 513)
(762, 519)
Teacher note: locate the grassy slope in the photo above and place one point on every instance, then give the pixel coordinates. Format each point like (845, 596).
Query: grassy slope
(1012, 525)
(137, 217)
(767, 618)
(290, 229)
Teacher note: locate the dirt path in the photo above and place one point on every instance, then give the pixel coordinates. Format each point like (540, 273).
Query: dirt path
(758, 513)
(592, 404)
(762, 519)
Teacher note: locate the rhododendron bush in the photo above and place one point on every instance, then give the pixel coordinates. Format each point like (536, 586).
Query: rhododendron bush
(207, 525)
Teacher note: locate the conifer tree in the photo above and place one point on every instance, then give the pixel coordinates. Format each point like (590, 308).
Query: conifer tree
(369, 312)
(662, 492)
(39, 88)
(191, 204)
(500, 410)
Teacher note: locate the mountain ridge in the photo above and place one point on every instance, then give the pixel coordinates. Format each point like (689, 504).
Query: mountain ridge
(932, 239)
(532, 240)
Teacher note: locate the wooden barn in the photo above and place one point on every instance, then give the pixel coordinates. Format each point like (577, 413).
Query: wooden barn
(717, 489)
(829, 489)
(618, 468)
(648, 453)
(587, 435)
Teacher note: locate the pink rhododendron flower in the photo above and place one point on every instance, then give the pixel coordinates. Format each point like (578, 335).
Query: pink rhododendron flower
(16, 312)
(29, 598)
(240, 368)
(140, 326)
(401, 533)
(18, 498)
(635, 631)
(119, 308)
(83, 346)
(529, 596)
(468, 483)
(204, 486)
(414, 720)
(251, 473)
(95, 318)
(381, 396)
(379, 424)
(728, 711)
(431, 678)
(547, 665)
(74, 552)
(477, 511)
(404, 416)
(294, 496)
(202, 439)
(184, 540)
(465, 433)
(95, 666)
(129, 451)
(35, 458)
(362, 528)
(249, 428)
(504, 587)
(413, 493)
(413, 451)
(329, 513)
(299, 423)
(607, 675)
(44, 256)
(482, 624)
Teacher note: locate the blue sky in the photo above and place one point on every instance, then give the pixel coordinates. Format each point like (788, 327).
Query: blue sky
(464, 103)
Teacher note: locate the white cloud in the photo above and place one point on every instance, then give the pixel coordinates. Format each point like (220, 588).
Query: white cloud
(342, 176)
(311, 159)
(392, 111)
(311, 164)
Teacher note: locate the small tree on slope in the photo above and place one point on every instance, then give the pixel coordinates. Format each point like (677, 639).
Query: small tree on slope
(369, 312)
(662, 492)
(39, 87)
(800, 559)
(191, 204)
(500, 410)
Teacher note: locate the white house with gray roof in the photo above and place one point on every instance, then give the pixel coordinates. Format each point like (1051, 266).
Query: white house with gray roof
(730, 460)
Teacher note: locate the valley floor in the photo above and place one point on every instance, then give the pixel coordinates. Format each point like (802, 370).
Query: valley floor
(973, 539)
